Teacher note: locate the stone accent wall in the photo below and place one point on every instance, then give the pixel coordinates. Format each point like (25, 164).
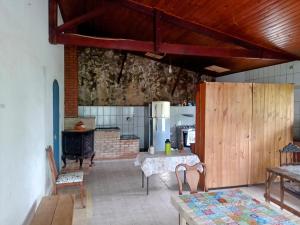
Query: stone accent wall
(108, 145)
(141, 82)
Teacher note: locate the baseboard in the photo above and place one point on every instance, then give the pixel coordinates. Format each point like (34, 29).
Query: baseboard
(34, 206)
(48, 191)
(30, 214)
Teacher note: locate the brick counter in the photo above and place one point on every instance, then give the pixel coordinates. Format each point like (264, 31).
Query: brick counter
(109, 145)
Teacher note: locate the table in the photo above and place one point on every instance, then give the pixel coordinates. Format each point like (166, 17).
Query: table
(291, 173)
(227, 207)
(162, 163)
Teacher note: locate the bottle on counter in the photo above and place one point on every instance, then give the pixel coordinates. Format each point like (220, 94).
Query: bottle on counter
(151, 150)
(167, 147)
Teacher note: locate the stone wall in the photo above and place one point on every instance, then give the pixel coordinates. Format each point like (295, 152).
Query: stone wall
(142, 80)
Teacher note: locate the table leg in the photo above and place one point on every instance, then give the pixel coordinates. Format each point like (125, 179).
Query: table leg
(63, 158)
(184, 176)
(267, 190)
(182, 220)
(269, 180)
(80, 163)
(142, 179)
(92, 158)
(281, 192)
(147, 185)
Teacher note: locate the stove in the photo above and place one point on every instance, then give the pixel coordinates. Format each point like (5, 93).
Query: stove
(185, 135)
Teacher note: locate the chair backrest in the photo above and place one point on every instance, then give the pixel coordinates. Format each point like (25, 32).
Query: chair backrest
(289, 155)
(192, 176)
(52, 165)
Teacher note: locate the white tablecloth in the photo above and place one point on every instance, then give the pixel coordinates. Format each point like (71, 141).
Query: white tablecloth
(161, 163)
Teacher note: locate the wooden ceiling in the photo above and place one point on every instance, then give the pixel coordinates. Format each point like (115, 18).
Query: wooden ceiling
(235, 34)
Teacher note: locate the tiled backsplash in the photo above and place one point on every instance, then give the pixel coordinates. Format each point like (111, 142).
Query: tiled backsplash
(281, 73)
(134, 119)
(131, 120)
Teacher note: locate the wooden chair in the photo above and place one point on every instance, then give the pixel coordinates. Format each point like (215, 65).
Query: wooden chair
(290, 155)
(192, 174)
(66, 179)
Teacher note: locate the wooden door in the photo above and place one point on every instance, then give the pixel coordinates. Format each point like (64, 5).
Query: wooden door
(228, 114)
(272, 125)
(56, 132)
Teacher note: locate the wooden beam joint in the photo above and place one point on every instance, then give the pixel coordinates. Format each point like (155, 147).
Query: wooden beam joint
(79, 20)
(156, 30)
(52, 14)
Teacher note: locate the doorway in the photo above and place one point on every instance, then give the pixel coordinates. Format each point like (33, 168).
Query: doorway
(56, 123)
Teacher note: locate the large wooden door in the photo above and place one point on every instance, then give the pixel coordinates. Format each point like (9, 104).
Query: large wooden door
(228, 115)
(272, 122)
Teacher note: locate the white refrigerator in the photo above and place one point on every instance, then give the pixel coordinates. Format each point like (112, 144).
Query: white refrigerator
(159, 129)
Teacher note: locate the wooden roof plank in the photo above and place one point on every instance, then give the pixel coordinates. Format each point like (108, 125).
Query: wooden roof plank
(204, 30)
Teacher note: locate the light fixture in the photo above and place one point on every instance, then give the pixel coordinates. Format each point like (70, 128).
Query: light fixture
(170, 68)
(217, 69)
(154, 56)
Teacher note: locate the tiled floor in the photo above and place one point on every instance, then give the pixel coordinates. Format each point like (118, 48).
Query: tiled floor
(115, 197)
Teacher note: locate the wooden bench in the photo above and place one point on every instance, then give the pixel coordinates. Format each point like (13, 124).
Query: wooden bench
(54, 210)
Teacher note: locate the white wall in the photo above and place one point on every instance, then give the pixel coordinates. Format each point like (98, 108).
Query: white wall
(282, 73)
(28, 66)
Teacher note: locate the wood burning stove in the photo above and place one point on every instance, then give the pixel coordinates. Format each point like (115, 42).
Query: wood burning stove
(78, 145)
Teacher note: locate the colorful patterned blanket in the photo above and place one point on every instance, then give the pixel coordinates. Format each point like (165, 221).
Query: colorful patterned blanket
(232, 207)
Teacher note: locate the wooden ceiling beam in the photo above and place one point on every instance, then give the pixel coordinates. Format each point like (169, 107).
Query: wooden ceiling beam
(146, 10)
(81, 19)
(110, 43)
(156, 30)
(167, 48)
(62, 12)
(52, 14)
(196, 50)
(96, 12)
